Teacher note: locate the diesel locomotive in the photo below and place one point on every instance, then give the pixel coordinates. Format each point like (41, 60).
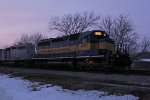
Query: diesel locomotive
(92, 48)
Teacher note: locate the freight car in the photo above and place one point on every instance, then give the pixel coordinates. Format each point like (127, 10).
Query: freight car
(18, 53)
(91, 49)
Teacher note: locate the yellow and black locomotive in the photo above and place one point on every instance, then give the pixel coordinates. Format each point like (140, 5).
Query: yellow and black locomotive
(92, 48)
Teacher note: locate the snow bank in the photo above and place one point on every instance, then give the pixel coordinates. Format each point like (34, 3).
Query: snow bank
(18, 89)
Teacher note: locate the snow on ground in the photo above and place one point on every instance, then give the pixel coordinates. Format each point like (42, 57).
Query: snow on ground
(18, 89)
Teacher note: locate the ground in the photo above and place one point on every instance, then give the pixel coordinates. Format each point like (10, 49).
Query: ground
(20, 89)
(79, 83)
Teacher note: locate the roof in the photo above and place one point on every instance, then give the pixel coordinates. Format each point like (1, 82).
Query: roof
(72, 36)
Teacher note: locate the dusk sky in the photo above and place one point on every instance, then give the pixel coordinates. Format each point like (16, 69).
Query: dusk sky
(30, 16)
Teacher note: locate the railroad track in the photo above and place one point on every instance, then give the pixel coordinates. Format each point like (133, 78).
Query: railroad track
(130, 77)
(122, 72)
(129, 72)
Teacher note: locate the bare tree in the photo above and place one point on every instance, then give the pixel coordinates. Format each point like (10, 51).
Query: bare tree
(141, 48)
(106, 23)
(36, 37)
(145, 45)
(73, 23)
(23, 40)
(122, 30)
(124, 33)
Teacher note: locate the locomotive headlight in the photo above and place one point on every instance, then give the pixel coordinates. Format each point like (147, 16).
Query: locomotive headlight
(98, 33)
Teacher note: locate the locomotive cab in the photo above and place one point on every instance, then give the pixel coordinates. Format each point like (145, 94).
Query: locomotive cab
(102, 43)
(99, 48)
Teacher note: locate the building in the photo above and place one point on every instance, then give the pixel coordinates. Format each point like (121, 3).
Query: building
(142, 62)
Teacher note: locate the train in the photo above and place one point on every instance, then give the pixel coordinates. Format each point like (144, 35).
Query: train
(91, 49)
